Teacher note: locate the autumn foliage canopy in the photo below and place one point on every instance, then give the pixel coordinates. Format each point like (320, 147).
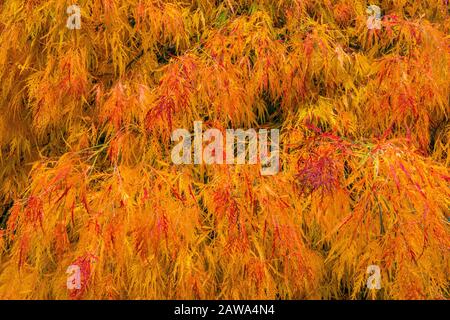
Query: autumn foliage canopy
(86, 177)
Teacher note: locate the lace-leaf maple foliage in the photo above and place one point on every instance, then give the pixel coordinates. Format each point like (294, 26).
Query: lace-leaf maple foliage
(85, 170)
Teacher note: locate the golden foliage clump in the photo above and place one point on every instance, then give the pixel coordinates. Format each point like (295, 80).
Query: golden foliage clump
(86, 177)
